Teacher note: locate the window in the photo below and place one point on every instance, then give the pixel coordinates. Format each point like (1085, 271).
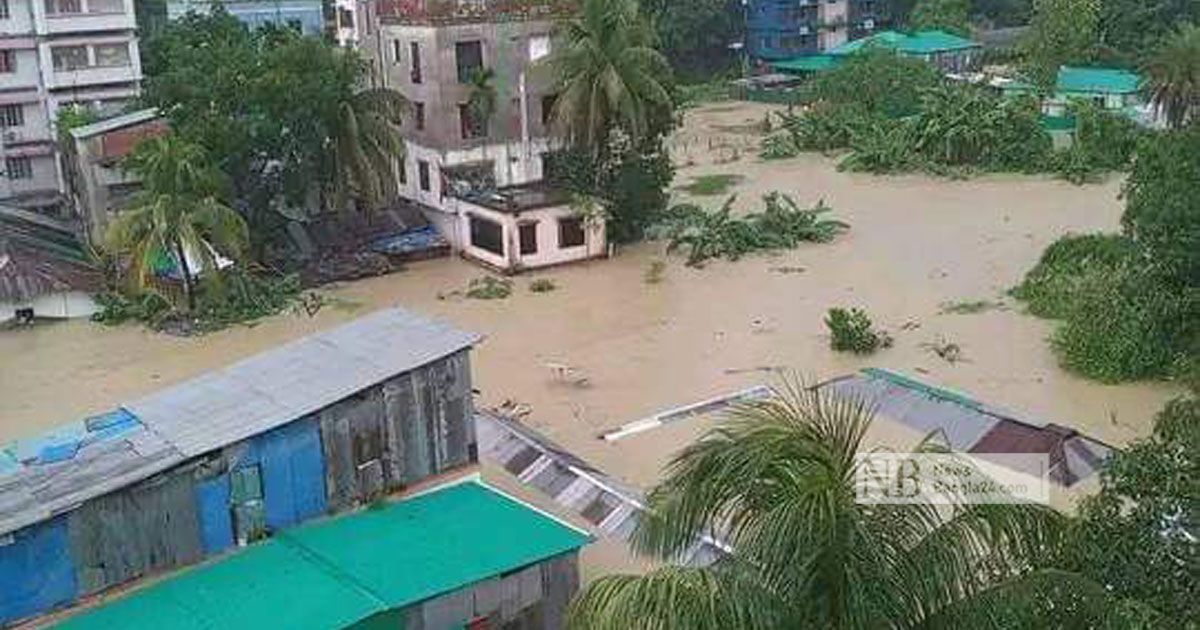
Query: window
(402, 171)
(8, 61)
(4, 12)
(63, 7)
(423, 175)
(470, 125)
(419, 116)
(20, 167)
(548, 109)
(469, 58)
(527, 235)
(570, 232)
(112, 55)
(246, 503)
(12, 115)
(69, 57)
(397, 47)
(414, 57)
(487, 235)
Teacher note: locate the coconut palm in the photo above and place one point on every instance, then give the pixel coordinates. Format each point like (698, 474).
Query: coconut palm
(1173, 76)
(776, 483)
(178, 213)
(607, 73)
(365, 145)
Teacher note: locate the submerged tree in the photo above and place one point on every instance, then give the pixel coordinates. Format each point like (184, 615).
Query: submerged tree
(178, 214)
(1173, 76)
(776, 483)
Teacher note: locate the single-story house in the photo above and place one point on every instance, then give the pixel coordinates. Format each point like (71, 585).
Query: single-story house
(525, 227)
(1111, 88)
(37, 283)
(946, 51)
(458, 556)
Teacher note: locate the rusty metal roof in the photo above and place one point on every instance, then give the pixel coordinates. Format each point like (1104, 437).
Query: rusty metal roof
(26, 273)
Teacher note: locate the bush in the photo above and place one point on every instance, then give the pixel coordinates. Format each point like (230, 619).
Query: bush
(1104, 142)
(879, 81)
(1051, 288)
(542, 285)
(149, 307)
(778, 147)
(489, 288)
(1162, 211)
(718, 234)
(708, 185)
(852, 331)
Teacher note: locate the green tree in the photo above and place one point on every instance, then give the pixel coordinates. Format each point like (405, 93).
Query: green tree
(878, 80)
(1061, 32)
(695, 35)
(1129, 29)
(776, 482)
(949, 15)
(1173, 76)
(367, 141)
(609, 75)
(177, 213)
(1138, 535)
(1162, 209)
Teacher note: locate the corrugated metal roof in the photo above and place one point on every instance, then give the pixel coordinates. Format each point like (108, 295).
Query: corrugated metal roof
(334, 573)
(296, 379)
(50, 474)
(919, 43)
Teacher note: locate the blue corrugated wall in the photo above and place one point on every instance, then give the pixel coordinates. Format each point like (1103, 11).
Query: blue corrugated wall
(293, 479)
(36, 573)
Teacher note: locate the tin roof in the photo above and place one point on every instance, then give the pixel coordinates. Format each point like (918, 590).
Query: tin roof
(334, 573)
(26, 273)
(918, 43)
(273, 388)
(50, 474)
(1078, 80)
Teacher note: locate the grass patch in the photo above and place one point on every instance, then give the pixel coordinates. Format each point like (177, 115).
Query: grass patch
(969, 307)
(708, 185)
(542, 285)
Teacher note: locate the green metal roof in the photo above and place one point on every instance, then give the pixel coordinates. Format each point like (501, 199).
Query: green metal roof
(918, 43)
(1076, 80)
(340, 571)
(811, 63)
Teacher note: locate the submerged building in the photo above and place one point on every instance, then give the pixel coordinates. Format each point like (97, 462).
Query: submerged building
(783, 29)
(241, 456)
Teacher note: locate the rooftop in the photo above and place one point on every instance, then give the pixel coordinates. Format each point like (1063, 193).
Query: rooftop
(1078, 80)
(27, 273)
(47, 475)
(918, 43)
(343, 570)
(519, 198)
(116, 122)
(457, 11)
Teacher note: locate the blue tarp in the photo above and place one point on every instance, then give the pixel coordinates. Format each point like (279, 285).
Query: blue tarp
(409, 242)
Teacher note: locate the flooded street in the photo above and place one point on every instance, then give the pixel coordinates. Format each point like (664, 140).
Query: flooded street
(916, 244)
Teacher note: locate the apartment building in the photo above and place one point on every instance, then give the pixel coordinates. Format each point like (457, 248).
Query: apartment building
(428, 50)
(784, 29)
(53, 54)
(306, 16)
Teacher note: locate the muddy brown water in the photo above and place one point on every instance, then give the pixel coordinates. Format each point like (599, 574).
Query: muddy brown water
(916, 244)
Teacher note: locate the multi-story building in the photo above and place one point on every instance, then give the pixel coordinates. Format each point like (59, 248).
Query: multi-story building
(783, 29)
(429, 50)
(55, 53)
(306, 16)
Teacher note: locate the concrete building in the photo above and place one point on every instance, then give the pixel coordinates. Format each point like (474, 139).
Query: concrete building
(428, 51)
(307, 16)
(783, 29)
(55, 53)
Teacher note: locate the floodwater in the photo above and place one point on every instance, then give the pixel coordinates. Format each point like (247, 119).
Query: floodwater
(916, 244)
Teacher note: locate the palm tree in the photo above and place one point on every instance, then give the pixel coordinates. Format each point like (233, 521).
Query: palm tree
(608, 73)
(366, 144)
(1173, 76)
(178, 213)
(776, 483)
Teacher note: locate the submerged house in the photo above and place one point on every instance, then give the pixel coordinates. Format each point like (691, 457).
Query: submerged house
(945, 51)
(1113, 89)
(319, 426)
(37, 284)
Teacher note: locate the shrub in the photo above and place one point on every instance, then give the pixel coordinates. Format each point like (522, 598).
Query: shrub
(878, 80)
(489, 288)
(1162, 211)
(1103, 142)
(851, 330)
(542, 285)
(1052, 286)
(779, 146)
(149, 307)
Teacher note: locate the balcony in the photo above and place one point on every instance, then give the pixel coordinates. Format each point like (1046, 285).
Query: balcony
(435, 12)
(92, 75)
(76, 16)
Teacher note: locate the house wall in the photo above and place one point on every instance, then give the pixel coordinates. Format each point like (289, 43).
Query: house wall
(36, 570)
(62, 305)
(548, 251)
(533, 598)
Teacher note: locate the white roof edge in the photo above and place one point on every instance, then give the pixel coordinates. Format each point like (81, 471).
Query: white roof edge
(116, 122)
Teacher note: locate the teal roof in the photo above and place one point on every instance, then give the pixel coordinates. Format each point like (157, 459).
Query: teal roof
(337, 572)
(1076, 80)
(811, 63)
(918, 43)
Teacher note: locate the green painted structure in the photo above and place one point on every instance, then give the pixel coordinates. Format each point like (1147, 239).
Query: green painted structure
(1111, 88)
(363, 570)
(947, 51)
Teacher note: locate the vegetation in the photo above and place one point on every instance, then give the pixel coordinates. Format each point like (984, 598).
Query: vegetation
(1103, 142)
(1137, 536)
(695, 34)
(178, 214)
(489, 288)
(947, 15)
(1162, 211)
(851, 330)
(879, 81)
(1173, 76)
(775, 482)
(654, 273)
(1061, 32)
(542, 285)
(970, 307)
(1050, 288)
(718, 234)
(1131, 28)
(707, 185)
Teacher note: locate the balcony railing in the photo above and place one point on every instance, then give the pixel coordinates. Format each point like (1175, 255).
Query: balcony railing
(455, 11)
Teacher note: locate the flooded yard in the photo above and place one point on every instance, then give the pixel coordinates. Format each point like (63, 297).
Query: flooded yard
(916, 247)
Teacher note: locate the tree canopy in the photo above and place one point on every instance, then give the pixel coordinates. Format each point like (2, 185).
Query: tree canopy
(948, 15)
(1061, 32)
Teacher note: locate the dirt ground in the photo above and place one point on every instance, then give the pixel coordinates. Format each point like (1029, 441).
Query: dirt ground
(916, 244)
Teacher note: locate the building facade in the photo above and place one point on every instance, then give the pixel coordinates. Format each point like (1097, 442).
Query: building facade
(306, 16)
(430, 51)
(54, 54)
(783, 29)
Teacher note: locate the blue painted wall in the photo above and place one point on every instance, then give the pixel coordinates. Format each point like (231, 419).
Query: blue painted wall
(36, 573)
(293, 480)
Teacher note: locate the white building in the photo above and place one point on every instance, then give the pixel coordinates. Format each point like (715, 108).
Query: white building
(56, 53)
